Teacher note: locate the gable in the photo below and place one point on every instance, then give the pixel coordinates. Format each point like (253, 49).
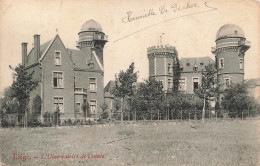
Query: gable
(56, 45)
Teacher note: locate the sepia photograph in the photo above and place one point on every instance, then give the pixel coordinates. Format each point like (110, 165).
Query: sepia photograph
(151, 82)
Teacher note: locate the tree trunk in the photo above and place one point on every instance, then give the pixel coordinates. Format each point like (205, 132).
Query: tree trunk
(181, 113)
(85, 116)
(122, 107)
(203, 110)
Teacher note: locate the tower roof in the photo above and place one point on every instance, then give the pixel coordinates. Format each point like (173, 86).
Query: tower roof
(230, 30)
(91, 25)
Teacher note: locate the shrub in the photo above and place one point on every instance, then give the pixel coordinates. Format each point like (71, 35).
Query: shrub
(4, 123)
(69, 122)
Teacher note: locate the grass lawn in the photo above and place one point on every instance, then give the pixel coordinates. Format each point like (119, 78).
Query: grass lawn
(229, 143)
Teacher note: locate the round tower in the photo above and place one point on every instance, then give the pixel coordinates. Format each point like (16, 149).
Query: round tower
(161, 61)
(229, 52)
(92, 36)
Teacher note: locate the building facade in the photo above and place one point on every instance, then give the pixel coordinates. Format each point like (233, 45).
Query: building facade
(69, 77)
(229, 52)
(161, 61)
(161, 65)
(231, 45)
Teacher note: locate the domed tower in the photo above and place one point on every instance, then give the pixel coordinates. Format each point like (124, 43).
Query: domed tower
(161, 61)
(229, 52)
(92, 36)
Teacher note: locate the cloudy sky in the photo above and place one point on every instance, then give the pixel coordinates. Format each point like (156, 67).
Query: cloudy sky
(191, 30)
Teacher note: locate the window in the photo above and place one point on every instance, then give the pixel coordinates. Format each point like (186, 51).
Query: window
(77, 107)
(169, 83)
(201, 63)
(195, 83)
(241, 63)
(195, 68)
(182, 84)
(58, 104)
(235, 32)
(85, 98)
(57, 79)
(227, 83)
(57, 58)
(92, 84)
(221, 63)
(188, 64)
(169, 68)
(93, 106)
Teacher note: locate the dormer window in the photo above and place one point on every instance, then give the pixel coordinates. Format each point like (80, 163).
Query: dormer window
(195, 68)
(57, 58)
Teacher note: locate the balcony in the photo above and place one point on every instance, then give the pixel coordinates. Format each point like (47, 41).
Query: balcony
(245, 43)
(100, 37)
(80, 91)
(213, 49)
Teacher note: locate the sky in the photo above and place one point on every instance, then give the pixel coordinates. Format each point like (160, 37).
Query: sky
(192, 30)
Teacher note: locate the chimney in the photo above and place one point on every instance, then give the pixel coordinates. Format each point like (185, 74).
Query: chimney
(37, 46)
(24, 53)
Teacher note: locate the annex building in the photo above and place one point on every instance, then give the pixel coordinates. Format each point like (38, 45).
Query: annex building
(230, 49)
(69, 77)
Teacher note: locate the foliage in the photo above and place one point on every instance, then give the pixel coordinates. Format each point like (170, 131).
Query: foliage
(105, 114)
(104, 106)
(148, 97)
(36, 111)
(208, 87)
(124, 82)
(124, 85)
(21, 87)
(9, 104)
(176, 73)
(116, 104)
(236, 100)
(37, 104)
(56, 117)
(86, 110)
(47, 119)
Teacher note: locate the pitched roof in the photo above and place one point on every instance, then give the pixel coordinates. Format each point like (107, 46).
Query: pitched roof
(253, 82)
(111, 84)
(107, 90)
(81, 58)
(188, 64)
(31, 59)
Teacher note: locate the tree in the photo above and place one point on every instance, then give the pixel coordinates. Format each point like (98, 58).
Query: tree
(124, 85)
(9, 104)
(104, 108)
(116, 106)
(22, 86)
(37, 105)
(149, 96)
(236, 100)
(36, 111)
(176, 74)
(208, 87)
(86, 109)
